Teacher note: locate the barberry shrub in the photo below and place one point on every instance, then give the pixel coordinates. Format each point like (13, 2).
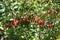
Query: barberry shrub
(30, 19)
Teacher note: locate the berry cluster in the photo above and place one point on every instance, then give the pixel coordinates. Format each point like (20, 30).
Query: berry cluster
(34, 20)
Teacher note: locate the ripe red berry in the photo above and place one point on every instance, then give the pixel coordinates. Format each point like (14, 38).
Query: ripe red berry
(51, 11)
(21, 21)
(41, 22)
(27, 19)
(8, 26)
(15, 22)
(35, 19)
(49, 25)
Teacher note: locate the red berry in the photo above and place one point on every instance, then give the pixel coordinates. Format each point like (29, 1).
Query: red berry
(15, 22)
(51, 11)
(35, 19)
(21, 21)
(49, 25)
(41, 22)
(27, 19)
(8, 26)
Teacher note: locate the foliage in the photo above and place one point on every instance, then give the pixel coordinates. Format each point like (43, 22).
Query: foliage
(30, 19)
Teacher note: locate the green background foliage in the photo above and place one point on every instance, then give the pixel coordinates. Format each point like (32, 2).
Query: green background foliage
(17, 9)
